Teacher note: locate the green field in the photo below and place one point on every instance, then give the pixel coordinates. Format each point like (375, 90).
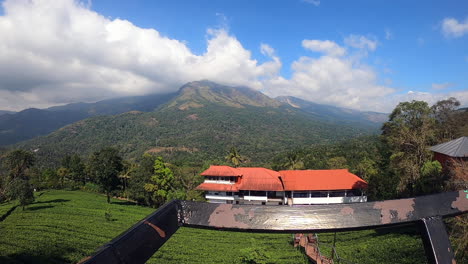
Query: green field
(65, 226)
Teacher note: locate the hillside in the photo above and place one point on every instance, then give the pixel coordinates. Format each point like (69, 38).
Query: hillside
(30, 123)
(336, 114)
(200, 124)
(3, 112)
(66, 226)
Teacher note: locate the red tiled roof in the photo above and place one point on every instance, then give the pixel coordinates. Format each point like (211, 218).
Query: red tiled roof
(260, 179)
(320, 180)
(221, 171)
(218, 187)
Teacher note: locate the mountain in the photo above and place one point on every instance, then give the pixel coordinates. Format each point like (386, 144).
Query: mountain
(200, 123)
(334, 113)
(3, 112)
(34, 122)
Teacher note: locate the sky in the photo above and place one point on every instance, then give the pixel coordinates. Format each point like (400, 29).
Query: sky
(365, 55)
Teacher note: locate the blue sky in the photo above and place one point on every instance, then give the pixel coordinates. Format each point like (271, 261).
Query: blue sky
(366, 55)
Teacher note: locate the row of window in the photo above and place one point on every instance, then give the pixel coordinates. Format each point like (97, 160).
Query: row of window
(349, 193)
(214, 178)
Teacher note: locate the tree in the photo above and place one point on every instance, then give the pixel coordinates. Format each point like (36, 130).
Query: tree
(138, 177)
(234, 157)
(17, 184)
(431, 180)
(408, 132)
(337, 163)
(367, 168)
(76, 168)
(105, 165)
(161, 183)
(446, 118)
(294, 161)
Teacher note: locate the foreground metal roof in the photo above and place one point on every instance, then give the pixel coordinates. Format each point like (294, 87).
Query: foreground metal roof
(457, 148)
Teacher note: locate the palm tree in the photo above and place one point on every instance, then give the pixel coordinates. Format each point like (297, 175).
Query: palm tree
(294, 161)
(234, 157)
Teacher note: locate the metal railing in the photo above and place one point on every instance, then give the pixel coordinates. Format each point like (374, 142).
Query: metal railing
(141, 241)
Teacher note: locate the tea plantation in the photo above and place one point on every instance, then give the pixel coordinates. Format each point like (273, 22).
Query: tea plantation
(65, 226)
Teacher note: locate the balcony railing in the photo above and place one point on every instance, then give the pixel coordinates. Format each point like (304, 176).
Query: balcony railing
(141, 241)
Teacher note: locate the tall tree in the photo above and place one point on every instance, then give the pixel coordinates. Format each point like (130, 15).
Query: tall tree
(447, 118)
(294, 161)
(138, 177)
(234, 157)
(408, 132)
(161, 183)
(76, 168)
(105, 165)
(17, 185)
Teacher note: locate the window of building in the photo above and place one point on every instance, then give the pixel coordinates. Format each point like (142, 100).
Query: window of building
(337, 194)
(257, 193)
(300, 194)
(319, 194)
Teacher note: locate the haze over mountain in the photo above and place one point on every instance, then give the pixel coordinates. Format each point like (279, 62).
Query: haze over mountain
(30, 123)
(333, 113)
(202, 122)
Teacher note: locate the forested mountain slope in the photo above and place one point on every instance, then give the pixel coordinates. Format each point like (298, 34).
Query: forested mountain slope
(201, 123)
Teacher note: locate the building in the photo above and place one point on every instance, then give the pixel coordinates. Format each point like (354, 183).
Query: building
(224, 184)
(456, 149)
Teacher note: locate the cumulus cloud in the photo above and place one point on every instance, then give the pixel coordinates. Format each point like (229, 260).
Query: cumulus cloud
(361, 42)
(325, 46)
(452, 28)
(331, 79)
(57, 52)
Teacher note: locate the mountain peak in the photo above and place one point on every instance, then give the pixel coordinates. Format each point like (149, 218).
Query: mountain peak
(201, 93)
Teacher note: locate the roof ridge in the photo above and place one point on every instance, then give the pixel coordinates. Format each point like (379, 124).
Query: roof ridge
(460, 145)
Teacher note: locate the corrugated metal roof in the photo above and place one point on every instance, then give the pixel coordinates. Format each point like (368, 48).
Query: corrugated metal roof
(321, 180)
(455, 148)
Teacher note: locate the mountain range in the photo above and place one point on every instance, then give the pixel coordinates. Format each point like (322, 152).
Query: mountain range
(199, 122)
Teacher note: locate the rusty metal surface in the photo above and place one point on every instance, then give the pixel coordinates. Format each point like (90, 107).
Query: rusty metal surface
(436, 241)
(313, 218)
(141, 241)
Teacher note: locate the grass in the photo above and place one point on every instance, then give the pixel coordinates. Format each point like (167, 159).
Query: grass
(65, 226)
(388, 245)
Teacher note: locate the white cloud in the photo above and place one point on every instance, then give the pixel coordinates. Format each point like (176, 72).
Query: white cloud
(452, 28)
(330, 79)
(325, 46)
(441, 86)
(57, 52)
(388, 34)
(314, 2)
(361, 42)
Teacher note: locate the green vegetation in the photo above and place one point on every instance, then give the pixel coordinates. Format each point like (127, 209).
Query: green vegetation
(389, 245)
(65, 226)
(199, 125)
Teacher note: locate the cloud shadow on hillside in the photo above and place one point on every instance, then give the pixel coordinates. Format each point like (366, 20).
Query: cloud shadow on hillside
(35, 208)
(53, 201)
